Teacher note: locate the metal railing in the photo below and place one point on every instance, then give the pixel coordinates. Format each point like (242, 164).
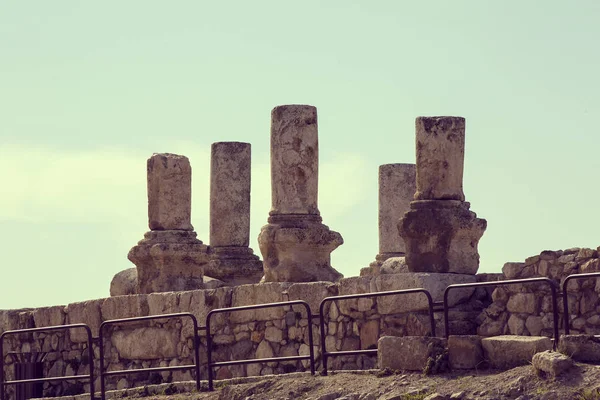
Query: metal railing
(326, 354)
(547, 281)
(89, 376)
(211, 364)
(564, 294)
(195, 366)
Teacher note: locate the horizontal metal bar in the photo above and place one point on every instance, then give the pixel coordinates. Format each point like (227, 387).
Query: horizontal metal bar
(351, 352)
(56, 378)
(44, 329)
(157, 369)
(259, 360)
(258, 306)
(148, 318)
(376, 294)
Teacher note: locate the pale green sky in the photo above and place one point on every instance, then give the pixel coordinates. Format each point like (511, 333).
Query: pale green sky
(89, 90)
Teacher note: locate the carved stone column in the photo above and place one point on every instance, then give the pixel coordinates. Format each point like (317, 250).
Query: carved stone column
(232, 260)
(295, 245)
(440, 232)
(169, 258)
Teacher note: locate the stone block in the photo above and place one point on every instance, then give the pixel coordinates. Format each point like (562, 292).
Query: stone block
(583, 348)
(124, 307)
(394, 265)
(465, 351)
(146, 343)
(551, 363)
(505, 352)
(435, 283)
(311, 292)
(124, 283)
(85, 312)
(353, 285)
(169, 192)
(263, 293)
(512, 270)
(49, 316)
(369, 334)
(523, 303)
(406, 352)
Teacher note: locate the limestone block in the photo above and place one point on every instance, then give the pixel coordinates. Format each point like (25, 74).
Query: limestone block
(263, 293)
(441, 236)
(49, 316)
(124, 307)
(85, 312)
(234, 265)
(512, 270)
(435, 283)
(353, 285)
(406, 352)
(294, 160)
(294, 250)
(394, 265)
(369, 334)
(124, 283)
(396, 191)
(523, 303)
(16, 319)
(440, 158)
(583, 348)
(146, 343)
(230, 194)
(465, 351)
(551, 363)
(311, 292)
(505, 352)
(264, 350)
(169, 192)
(168, 261)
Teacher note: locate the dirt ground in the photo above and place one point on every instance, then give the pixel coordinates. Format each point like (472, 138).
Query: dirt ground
(582, 382)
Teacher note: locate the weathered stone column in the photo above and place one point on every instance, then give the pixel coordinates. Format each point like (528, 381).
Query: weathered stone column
(396, 191)
(232, 261)
(440, 233)
(295, 245)
(169, 258)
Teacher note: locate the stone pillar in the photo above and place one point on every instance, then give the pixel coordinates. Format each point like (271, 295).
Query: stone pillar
(440, 233)
(232, 261)
(169, 258)
(396, 191)
(295, 245)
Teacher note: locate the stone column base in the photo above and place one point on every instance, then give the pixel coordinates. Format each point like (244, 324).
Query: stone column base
(441, 236)
(297, 248)
(234, 265)
(169, 261)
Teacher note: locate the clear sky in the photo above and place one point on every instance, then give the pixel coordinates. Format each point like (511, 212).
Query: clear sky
(89, 90)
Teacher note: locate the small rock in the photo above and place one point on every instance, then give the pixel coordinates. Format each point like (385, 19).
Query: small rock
(435, 396)
(551, 363)
(457, 396)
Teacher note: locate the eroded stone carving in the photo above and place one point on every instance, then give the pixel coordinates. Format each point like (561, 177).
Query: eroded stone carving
(232, 260)
(170, 257)
(440, 232)
(295, 245)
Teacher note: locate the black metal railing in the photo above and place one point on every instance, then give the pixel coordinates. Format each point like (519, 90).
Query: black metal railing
(547, 281)
(564, 294)
(195, 366)
(325, 354)
(89, 376)
(211, 364)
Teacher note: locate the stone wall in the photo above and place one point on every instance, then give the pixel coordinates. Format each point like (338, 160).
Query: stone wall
(350, 325)
(526, 309)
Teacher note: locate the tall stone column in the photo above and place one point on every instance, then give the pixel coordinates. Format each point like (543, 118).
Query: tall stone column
(440, 233)
(295, 245)
(396, 191)
(170, 257)
(232, 260)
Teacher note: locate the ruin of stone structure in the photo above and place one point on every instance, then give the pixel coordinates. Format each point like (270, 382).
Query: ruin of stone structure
(232, 260)
(295, 245)
(170, 257)
(440, 232)
(396, 191)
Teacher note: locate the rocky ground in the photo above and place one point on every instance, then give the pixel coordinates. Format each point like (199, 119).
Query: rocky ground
(581, 382)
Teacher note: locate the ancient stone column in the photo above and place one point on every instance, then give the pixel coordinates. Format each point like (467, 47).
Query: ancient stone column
(396, 191)
(232, 261)
(295, 245)
(440, 232)
(170, 257)
(440, 158)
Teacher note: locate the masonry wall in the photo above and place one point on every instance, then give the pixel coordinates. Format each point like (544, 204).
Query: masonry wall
(526, 309)
(351, 325)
